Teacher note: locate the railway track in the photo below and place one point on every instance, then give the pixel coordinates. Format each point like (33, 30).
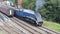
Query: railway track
(33, 31)
(6, 28)
(48, 30)
(41, 30)
(13, 26)
(3, 31)
(17, 26)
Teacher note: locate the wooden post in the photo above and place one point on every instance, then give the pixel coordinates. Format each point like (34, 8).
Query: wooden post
(19, 3)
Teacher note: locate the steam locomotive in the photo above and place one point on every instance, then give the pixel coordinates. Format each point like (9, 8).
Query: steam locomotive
(30, 15)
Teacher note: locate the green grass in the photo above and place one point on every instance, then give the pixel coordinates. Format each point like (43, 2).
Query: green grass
(52, 25)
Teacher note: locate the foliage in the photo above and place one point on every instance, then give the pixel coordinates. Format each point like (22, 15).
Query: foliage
(50, 11)
(54, 10)
(28, 4)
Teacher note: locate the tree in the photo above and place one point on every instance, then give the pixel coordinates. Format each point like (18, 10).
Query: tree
(53, 12)
(29, 4)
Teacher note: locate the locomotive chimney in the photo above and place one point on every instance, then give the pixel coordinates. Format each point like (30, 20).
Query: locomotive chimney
(19, 3)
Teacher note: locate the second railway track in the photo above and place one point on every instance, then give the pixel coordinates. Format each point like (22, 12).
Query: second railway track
(33, 29)
(30, 26)
(48, 30)
(18, 29)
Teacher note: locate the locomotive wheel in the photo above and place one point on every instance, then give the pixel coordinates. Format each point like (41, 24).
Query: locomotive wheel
(40, 24)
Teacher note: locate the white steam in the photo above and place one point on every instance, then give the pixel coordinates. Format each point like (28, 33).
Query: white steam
(39, 4)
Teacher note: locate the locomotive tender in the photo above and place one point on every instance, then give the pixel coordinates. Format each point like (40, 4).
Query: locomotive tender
(6, 10)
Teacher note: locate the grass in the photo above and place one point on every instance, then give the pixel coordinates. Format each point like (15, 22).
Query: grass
(52, 25)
